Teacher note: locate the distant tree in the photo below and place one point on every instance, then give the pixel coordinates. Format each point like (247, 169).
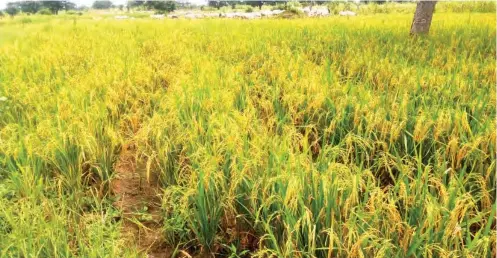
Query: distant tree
(12, 9)
(218, 4)
(132, 4)
(1, 14)
(271, 2)
(120, 7)
(255, 3)
(184, 4)
(54, 6)
(102, 4)
(30, 7)
(168, 6)
(162, 6)
(69, 6)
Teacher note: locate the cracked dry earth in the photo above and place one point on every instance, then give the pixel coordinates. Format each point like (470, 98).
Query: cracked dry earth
(139, 201)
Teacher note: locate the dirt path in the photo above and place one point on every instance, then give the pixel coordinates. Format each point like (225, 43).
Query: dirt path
(139, 201)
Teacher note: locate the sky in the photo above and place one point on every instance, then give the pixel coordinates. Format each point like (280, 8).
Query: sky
(3, 3)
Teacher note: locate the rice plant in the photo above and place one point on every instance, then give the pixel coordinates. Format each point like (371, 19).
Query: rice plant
(333, 137)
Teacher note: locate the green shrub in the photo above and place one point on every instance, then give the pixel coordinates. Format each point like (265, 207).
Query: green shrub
(293, 5)
(241, 6)
(45, 11)
(333, 7)
(26, 20)
(291, 13)
(346, 6)
(72, 12)
(460, 7)
(278, 7)
(208, 8)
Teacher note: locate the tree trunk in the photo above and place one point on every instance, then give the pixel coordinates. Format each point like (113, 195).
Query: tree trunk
(422, 17)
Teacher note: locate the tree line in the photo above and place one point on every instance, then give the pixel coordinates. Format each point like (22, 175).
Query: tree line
(162, 6)
(31, 7)
(53, 7)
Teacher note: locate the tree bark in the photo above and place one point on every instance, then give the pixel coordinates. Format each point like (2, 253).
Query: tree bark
(422, 17)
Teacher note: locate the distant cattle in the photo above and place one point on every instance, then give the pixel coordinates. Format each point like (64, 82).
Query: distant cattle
(211, 15)
(347, 13)
(266, 13)
(250, 15)
(194, 15)
(306, 9)
(319, 12)
(157, 16)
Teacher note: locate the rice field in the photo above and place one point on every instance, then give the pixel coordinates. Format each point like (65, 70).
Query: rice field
(332, 137)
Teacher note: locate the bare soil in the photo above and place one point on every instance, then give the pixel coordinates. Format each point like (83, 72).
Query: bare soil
(138, 197)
